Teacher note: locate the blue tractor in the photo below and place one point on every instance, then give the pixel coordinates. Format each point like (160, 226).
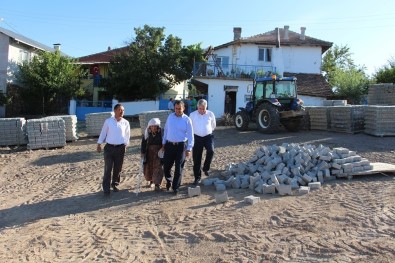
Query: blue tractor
(274, 103)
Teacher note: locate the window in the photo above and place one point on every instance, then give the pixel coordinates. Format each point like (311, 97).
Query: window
(23, 55)
(265, 54)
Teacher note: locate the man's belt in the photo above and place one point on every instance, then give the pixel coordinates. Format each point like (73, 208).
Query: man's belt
(175, 143)
(115, 145)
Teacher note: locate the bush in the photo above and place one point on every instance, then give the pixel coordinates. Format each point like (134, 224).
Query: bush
(227, 120)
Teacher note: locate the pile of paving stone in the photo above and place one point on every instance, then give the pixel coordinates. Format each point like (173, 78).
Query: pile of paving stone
(70, 121)
(319, 118)
(348, 119)
(380, 121)
(282, 169)
(94, 122)
(146, 116)
(48, 132)
(381, 94)
(13, 131)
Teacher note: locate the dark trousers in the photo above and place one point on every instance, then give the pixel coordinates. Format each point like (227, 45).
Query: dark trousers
(113, 161)
(206, 142)
(174, 154)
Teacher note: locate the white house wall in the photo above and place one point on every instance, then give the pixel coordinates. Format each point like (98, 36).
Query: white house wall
(302, 59)
(295, 59)
(311, 101)
(216, 94)
(177, 92)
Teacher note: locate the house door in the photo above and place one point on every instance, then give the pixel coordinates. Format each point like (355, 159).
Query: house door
(230, 102)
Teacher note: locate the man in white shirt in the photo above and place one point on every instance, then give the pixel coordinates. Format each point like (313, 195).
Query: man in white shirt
(116, 134)
(203, 123)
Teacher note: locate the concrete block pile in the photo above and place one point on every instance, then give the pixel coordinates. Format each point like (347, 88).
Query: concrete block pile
(94, 122)
(319, 117)
(380, 121)
(13, 131)
(381, 94)
(71, 127)
(348, 119)
(48, 132)
(146, 116)
(286, 168)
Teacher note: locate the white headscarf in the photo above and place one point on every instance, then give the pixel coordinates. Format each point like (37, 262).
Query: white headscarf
(152, 122)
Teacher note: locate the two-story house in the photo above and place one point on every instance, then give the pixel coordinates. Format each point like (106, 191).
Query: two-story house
(14, 49)
(232, 66)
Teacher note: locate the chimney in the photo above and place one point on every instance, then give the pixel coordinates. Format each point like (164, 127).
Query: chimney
(302, 33)
(236, 33)
(109, 48)
(286, 35)
(56, 47)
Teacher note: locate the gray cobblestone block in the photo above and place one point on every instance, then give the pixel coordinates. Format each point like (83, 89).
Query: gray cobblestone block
(314, 185)
(221, 197)
(220, 186)
(284, 189)
(252, 199)
(269, 188)
(304, 190)
(194, 191)
(307, 178)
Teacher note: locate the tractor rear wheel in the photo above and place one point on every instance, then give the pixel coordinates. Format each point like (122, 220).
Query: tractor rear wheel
(241, 120)
(268, 118)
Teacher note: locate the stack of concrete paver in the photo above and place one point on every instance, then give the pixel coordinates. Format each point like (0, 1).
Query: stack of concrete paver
(289, 167)
(319, 117)
(380, 121)
(94, 122)
(381, 94)
(12, 131)
(48, 132)
(71, 127)
(146, 116)
(349, 119)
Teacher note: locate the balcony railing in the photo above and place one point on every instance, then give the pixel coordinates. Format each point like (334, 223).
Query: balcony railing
(236, 71)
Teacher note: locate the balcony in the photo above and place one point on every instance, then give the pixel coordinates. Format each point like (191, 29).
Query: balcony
(230, 71)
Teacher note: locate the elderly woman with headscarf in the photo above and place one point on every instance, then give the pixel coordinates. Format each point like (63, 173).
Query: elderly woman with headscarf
(151, 144)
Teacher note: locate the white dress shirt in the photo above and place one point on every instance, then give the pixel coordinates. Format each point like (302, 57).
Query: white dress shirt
(203, 124)
(115, 132)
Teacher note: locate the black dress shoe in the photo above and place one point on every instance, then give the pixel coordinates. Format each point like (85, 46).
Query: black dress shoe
(157, 187)
(175, 191)
(196, 182)
(205, 172)
(115, 189)
(168, 185)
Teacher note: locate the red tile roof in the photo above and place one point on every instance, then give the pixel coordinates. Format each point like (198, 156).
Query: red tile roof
(271, 38)
(102, 57)
(313, 85)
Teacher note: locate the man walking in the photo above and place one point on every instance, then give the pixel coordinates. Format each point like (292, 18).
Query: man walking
(177, 143)
(203, 123)
(116, 134)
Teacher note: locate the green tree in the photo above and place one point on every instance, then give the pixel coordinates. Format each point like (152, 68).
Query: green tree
(337, 57)
(347, 79)
(48, 78)
(386, 74)
(152, 65)
(350, 83)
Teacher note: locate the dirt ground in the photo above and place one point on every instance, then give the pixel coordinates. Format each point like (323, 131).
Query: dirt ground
(52, 209)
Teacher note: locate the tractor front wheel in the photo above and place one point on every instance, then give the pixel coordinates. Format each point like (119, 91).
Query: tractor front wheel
(268, 118)
(241, 120)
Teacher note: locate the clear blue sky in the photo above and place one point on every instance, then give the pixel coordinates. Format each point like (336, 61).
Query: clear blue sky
(87, 27)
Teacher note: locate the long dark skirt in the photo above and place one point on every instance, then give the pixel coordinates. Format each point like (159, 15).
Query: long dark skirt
(153, 170)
